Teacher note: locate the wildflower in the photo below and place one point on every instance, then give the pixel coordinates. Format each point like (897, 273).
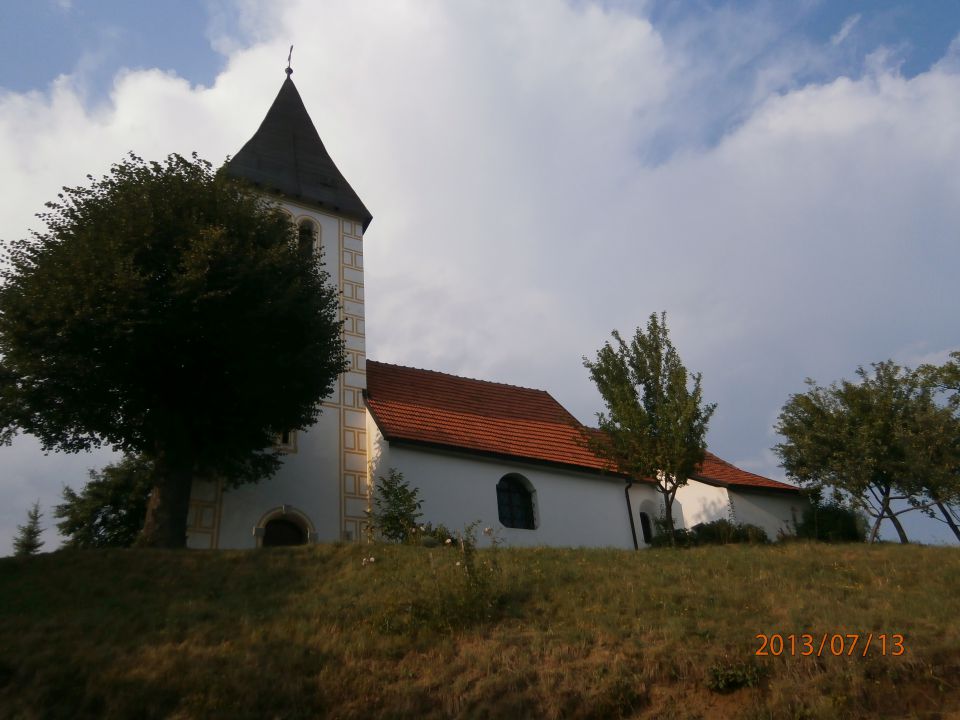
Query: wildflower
(448, 541)
(488, 531)
(372, 559)
(364, 562)
(458, 563)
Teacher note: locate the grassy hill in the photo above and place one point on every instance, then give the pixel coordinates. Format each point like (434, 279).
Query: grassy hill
(324, 632)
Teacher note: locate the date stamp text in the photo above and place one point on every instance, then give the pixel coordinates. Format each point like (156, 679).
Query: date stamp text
(826, 644)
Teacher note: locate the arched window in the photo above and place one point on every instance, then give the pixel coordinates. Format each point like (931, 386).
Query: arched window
(307, 237)
(515, 502)
(646, 528)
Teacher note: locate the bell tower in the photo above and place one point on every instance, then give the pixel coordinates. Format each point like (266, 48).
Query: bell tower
(321, 490)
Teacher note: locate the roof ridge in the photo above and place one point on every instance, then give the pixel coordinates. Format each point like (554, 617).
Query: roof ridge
(468, 379)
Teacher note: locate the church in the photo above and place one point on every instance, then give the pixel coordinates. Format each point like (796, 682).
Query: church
(506, 456)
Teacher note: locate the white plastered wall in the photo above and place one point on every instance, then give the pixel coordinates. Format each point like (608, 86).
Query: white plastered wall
(572, 508)
(773, 511)
(697, 502)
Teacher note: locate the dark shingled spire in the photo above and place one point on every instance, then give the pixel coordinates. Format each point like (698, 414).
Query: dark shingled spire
(286, 156)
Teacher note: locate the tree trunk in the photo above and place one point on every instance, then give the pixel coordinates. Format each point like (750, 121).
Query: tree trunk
(875, 532)
(896, 523)
(668, 516)
(949, 517)
(166, 523)
(887, 512)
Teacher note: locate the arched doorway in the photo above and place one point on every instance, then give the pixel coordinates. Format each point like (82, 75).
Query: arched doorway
(284, 526)
(283, 531)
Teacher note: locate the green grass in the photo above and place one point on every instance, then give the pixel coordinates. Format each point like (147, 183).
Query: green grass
(313, 632)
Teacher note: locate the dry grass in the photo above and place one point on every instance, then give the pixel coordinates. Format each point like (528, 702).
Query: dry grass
(312, 632)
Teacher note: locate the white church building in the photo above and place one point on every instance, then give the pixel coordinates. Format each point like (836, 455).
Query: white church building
(506, 456)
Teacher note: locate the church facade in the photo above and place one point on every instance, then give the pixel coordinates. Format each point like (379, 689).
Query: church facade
(511, 458)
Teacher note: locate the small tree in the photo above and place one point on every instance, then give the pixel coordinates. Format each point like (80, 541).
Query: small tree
(109, 510)
(396, 508)
(873, 443)
(655, 425)
(167, 311)
(28, 542)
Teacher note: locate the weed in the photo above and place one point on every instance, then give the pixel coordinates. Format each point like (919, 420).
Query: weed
(726, 675)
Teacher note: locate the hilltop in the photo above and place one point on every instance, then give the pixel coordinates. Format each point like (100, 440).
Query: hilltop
(323, 631)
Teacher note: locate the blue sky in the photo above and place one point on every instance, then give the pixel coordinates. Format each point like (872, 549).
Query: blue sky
(779, 177)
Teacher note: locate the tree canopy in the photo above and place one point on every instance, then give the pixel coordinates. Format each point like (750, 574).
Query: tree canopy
(167, 312)
(880, 443)
(655, 423)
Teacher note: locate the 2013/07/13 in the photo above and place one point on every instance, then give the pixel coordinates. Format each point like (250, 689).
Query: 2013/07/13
(836, 644)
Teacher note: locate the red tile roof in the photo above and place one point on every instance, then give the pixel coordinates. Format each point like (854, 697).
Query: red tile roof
(434, 408)
(719, 472)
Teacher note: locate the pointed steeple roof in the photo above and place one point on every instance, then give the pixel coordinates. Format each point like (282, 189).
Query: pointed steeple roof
(286, 155)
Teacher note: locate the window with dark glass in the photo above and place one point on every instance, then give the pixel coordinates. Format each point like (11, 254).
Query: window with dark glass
(515, 503)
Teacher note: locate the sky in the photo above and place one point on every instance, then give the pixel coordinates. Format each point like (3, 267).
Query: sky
(780, 178)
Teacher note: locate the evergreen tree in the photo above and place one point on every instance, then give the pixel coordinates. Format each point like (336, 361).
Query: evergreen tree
(28, 542)
(396, 508)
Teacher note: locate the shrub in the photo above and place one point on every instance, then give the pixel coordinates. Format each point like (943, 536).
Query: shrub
(832, 522)
(724, 532)
(396, 509)
(429, 535)
(717, 532)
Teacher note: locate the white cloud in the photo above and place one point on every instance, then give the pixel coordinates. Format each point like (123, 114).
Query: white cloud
(504, 150)
(844, 32)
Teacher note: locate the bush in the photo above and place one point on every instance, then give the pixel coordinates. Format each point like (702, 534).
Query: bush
(725, 532)
(430, 536)
(717, 532)
(832, 522)
(396, 509)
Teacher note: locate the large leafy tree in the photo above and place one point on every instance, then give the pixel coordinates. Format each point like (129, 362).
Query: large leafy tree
(167, 312)
(109, 510)
(881, 443)
(655, 424)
